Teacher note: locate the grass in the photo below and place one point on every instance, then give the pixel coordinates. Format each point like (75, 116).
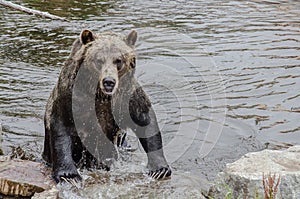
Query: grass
(270, 188)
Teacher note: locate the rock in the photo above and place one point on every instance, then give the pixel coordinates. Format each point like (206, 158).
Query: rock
(48, 194)
(23, 177)
(244, 178)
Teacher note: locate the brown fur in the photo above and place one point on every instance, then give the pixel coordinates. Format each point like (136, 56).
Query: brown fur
(100, 56)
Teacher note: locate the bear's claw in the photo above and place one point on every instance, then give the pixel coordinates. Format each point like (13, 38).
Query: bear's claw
(67, 176)
(160, 173)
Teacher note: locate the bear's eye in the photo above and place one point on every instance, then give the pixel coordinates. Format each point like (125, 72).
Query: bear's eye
(119, 63)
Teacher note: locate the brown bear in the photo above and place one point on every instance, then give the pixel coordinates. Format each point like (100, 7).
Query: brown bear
(97, 97)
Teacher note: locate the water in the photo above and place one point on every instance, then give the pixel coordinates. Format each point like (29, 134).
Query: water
(223, 77)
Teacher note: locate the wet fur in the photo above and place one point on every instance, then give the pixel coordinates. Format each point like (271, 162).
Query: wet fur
(63, 149)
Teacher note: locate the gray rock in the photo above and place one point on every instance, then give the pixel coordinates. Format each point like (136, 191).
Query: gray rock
(48, 194)
(244, 178)
(23, 177)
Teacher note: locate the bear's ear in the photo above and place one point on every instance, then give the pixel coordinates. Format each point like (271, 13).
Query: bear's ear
(86, 36)
(131, 38)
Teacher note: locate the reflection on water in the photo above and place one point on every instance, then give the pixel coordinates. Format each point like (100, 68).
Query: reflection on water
(73, 9)
(232, 60)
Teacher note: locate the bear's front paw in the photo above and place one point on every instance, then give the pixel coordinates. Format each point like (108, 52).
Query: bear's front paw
(70, 175)
(160, 173)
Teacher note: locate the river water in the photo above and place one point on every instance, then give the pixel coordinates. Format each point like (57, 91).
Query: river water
(223, 77)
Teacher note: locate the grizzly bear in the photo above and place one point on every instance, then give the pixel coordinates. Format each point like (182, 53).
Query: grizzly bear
(95, 99)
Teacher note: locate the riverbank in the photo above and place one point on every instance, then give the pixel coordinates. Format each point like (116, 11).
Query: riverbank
(272, 172)
(276, 172)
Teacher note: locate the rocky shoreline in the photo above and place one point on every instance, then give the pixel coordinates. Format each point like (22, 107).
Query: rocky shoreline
(257, 172)
(247, 177)
(24, 178)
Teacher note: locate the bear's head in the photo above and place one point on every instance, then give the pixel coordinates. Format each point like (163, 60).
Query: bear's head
(110, 53)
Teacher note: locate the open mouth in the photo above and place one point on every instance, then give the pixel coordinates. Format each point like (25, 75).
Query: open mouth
(108, 85)
(108, 92)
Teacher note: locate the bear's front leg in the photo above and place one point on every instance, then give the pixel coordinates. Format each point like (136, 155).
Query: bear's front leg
(62, 162)
(150, 138)
(145, 125)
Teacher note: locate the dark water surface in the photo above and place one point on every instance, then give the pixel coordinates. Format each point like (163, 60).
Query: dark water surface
(223, 76)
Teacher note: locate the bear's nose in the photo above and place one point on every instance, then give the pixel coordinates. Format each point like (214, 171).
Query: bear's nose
(109, 84)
